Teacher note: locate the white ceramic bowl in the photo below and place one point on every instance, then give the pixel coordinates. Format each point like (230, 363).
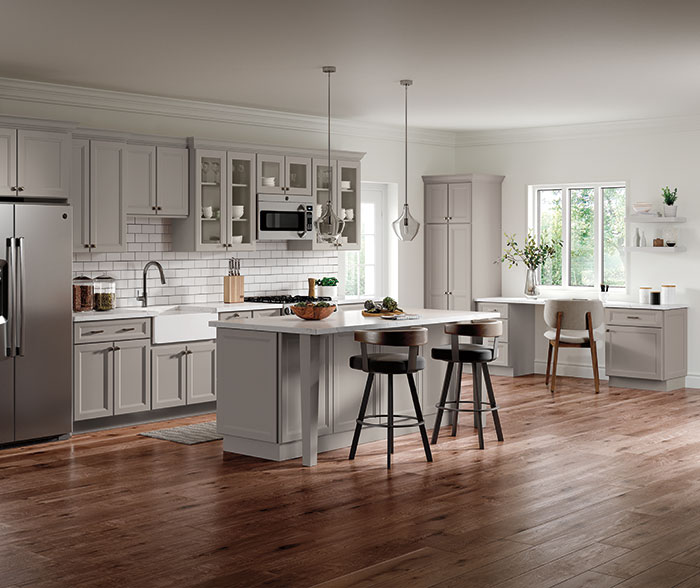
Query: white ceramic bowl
(237, 239)
(641, 207)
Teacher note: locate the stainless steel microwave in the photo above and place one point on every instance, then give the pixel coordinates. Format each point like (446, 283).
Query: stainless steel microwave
(285, 218)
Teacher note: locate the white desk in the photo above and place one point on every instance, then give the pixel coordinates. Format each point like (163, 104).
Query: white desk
(645, 345)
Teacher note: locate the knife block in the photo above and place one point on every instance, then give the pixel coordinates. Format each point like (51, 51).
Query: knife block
(233, 289)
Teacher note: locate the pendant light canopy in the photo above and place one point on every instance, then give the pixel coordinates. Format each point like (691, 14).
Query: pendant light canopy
(406, 227)
(329, 226)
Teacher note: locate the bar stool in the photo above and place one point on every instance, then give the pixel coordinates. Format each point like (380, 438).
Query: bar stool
(390, 364)
(479, 356)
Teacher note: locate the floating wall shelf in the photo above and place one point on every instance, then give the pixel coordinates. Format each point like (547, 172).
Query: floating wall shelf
(676, 249)
(650, 218)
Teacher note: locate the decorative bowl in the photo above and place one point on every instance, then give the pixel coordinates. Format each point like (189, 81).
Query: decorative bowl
(313, 313)
(641, 207)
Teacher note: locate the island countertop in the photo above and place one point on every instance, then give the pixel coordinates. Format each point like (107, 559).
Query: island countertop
(344, 321)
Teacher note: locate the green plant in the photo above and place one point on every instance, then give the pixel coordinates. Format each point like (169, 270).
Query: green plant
(532, 254)
(668, 196)
(321, 304)
(327, 282)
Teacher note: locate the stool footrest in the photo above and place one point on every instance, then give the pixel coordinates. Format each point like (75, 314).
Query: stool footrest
(403, 417)
(488, 408)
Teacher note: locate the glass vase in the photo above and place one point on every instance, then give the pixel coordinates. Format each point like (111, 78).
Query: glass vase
(532, 289)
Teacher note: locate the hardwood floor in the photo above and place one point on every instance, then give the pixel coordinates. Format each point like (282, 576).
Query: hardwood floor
(587, 490)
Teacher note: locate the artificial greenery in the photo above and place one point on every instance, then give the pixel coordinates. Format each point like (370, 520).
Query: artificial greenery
(668, 196)
(532, 254)
(388, 304)
(327, 282)
(321, 304)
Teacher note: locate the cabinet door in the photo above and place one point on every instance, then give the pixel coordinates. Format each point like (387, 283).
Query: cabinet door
(211, 210)
(436, 266)
(272, 168)
(8, 162)
(290, 390)
(459, 274)
(107, 182)
(173, 178)
(140, 193)
(132, 376)
(201, 372)
(298, 176)
(43, 164)
(436, 203)
(168, 376)
(634, 352)
(241, 191)
(349, 384)
(347, 188)
(80, 194)
(93, 381)
(459, 207)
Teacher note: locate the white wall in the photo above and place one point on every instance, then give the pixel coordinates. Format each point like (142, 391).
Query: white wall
(647, 161)
(384, 161)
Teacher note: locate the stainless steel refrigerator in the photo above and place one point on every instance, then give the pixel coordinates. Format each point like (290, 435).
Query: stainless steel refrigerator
(35, 321)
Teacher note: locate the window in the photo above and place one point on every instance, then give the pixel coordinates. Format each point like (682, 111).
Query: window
(589, 219)
(364, 274)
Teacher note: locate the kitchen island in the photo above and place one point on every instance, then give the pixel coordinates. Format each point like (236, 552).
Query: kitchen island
(285, 388)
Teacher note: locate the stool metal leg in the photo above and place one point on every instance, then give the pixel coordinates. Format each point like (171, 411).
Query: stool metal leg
(492, 402)
(419, 416)
(361, 415)
(458, 393)
(390, 421)
(476, 369)
(443, 398)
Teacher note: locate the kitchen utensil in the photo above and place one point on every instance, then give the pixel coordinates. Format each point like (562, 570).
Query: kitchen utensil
(234, 282)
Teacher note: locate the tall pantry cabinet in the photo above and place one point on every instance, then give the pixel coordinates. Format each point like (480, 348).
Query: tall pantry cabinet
(462, 239)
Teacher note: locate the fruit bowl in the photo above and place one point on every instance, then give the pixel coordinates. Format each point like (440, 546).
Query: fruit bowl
(313, 313)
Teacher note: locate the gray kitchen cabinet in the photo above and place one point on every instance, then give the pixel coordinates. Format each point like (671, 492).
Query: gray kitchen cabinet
(236, 314)
(93, 381)
(132, 376)
(201, 372)
(140, 193)
(34, 164)
(157, 180)
(183, 373)
(271, 312)
(462, 239)
(97, 195)
(646, 345)
(292, 174)
(168, 375)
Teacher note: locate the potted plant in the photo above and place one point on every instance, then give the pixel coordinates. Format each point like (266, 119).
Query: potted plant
(532, 255)
(327, 287)
(670, 207)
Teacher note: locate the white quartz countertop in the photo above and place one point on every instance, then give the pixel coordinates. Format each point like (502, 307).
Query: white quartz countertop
(608, 304)
(127, 312)
(345, 321)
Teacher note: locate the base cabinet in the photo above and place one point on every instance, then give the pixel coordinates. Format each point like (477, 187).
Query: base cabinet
(183, 374)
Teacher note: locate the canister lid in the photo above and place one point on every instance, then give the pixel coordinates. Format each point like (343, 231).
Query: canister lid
(82, 280)
(104, 278)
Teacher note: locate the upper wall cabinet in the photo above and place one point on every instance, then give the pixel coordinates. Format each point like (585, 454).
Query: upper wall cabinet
(157, 181)
(34, 164)
(284, 174)
(97, 196)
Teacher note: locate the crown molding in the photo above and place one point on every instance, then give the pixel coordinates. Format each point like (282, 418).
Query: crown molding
(75, 96)
(679, 124)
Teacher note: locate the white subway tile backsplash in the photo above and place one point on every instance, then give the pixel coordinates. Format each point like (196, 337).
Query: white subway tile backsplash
(197, 277)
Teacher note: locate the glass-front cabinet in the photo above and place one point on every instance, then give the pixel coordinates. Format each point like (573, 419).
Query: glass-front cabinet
(241, 201)
(211, 200)
(284, 174)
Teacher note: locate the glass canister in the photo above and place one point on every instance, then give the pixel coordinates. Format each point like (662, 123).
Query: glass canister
(83, 294)
(105, 293)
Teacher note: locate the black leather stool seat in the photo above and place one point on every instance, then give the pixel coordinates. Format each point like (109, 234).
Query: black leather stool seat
(468, 353)
(387, 363)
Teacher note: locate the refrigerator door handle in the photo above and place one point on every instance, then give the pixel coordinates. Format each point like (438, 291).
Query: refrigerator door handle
(9, 349)
(20, 296)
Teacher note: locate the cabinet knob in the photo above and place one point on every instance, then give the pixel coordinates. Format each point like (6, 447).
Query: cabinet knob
(86, 246)
(13, 189)
(153, 207)
(92, 246)
(160, 208)
(20, 189)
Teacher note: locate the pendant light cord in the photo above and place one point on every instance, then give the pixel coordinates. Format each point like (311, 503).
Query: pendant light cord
(405, 142)
(330, 171)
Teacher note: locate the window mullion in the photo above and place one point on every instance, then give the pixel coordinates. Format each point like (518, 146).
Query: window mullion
(566, 236)
(598, 235)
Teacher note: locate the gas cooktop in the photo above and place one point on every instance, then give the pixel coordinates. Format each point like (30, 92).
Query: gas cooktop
(286, 299)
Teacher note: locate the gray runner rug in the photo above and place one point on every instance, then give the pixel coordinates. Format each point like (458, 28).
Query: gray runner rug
(187, 434)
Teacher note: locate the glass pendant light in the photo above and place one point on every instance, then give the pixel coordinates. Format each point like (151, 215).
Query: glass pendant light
(329, 226)
(406, 227)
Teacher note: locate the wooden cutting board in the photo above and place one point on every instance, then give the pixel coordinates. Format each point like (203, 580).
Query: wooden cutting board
(385, 313)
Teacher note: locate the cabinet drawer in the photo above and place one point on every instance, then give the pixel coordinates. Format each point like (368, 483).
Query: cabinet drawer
(113, 330)
(271, 312)
(502, 354)
(227, 316)
(500, 308)
(639, 318)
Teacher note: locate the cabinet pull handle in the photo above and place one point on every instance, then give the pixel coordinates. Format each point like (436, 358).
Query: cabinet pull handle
(634, 317)
(160, 208)
(94, 332)
(126, 330)
(116, 348)
(153, 207)
(86, 246)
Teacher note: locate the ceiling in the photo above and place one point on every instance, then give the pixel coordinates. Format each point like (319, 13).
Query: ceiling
(476, 65)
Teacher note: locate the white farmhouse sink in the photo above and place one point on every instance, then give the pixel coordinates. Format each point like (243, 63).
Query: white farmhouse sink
(183, 323)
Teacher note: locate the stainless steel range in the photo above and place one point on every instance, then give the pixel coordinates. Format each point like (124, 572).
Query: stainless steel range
(286, 300)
